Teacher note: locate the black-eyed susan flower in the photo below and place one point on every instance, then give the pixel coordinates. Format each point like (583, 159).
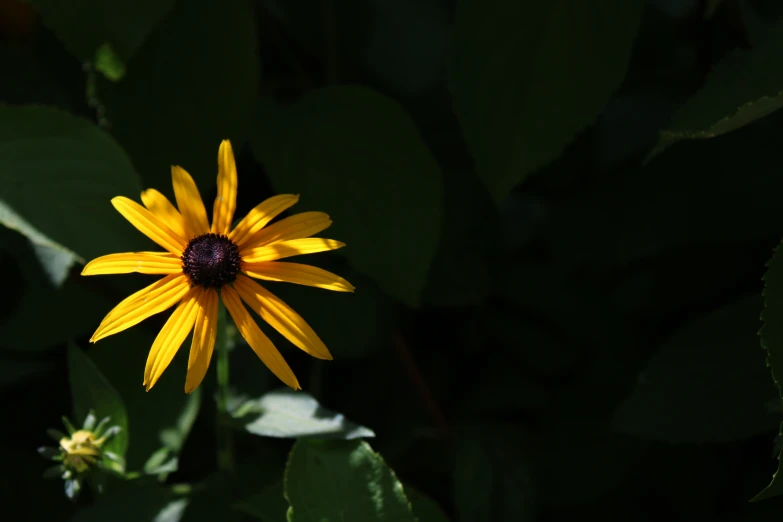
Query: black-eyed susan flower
(205, 262)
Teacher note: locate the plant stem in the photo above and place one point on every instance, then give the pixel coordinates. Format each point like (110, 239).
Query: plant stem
(225, 444)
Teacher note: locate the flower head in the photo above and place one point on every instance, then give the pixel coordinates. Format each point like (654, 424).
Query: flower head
(204, 262)
(80, 451)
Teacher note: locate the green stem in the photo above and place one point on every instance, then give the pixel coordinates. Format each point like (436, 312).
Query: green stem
(225, 444)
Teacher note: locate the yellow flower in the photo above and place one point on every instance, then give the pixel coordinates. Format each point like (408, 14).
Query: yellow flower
(81, 450)
(202, 260)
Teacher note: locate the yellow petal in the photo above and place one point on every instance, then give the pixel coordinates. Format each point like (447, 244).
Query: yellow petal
(141, 262)
(294, 247)
(189, 202)
(293, 227)
(159, 205)
(259, 342)
(171, 337)
(297, 273)
(262, 214)
(226, 200)
(203, 340)
(155, 298)
(281, 317)
(149, 225)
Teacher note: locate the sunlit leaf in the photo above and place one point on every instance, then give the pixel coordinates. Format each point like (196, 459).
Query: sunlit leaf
(285, 413)
(342, 480)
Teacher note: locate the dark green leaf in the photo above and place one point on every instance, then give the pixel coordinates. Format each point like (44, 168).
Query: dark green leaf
(59, 176)
(424, 508)
(162, 416)
(342, 481)
(492, 477)
(745, 86)
(84, 25)
(459, 275)
(622, 221)
(133, 504)
(70, 310)
(772, 341)
(707, 383)
(268, 505)
(91, 390)
(185, 92)
(357, 156)
(522, 90)
(285, 413)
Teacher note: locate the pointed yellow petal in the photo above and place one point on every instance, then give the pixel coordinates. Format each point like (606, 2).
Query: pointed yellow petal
(226, 200)
(203, 340)
(293, 227)
(171, 337)
(149, 225)
(259, 342)
(294, 247)
(155, 298)
(141, 262)
(297, 273)
(281, 317)
(260, 216)
(159, 205)
(189, 202)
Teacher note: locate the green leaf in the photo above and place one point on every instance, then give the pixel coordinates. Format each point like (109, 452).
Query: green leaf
(522, 90)
(285, 413)
(59, 175)
(84, 25)
(711, 7)
(707, 383)
(342, 481)
(492, 479)
(357, 156)
(164, 415)
(70, 310)
(622, 220)
(184, 93)
(424, 508)
(137, 503)
(745, 86)
(92, 391)
(108, 63)
(772, 340)
(459, 275)
(268, 505)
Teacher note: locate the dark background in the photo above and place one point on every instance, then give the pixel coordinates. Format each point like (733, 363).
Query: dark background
(585, 345)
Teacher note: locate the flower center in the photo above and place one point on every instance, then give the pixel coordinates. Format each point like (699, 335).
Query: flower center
(211, 260)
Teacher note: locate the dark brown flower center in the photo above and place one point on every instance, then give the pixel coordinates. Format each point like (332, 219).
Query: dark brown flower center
(211, 260)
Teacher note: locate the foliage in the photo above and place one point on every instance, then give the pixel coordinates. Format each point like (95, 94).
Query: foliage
(562, 219)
